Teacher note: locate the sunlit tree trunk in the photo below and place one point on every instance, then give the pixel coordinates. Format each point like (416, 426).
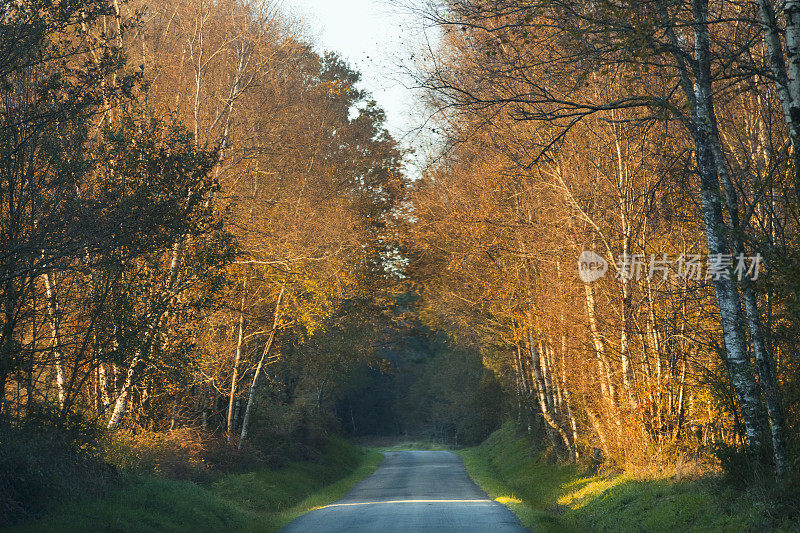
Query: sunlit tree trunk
(681, 391)
(237, 357)
(567, 396)
(628, 377)
(55, 338)
(257, 374)
(545, 405)
(105, 400)
(599, 430)
(728, 303)
(604, 366)
(121, 403)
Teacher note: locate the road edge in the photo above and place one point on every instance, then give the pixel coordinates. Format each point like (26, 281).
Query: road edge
(487, 479)
(370, 462)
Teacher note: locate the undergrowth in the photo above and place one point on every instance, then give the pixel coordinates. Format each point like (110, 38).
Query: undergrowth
(551, 497)
(264, 499)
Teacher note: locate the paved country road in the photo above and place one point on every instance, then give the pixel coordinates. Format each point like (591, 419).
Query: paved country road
(412, 491)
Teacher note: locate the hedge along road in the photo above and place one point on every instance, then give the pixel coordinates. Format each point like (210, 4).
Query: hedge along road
(412, 491)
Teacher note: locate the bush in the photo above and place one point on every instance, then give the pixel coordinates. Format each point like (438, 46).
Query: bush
(42, 465)
(186, 454)
(742, 467)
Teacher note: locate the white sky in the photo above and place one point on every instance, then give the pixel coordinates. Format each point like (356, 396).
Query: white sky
(373, 36)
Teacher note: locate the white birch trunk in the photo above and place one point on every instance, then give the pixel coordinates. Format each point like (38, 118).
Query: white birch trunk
(257, 374)
(55, 338)
(789, 93)
(628, 378)
(121, 403)
(728, 303)
(604, 366)
(544, 406)
(791, 13)
(766, 374)
(103, 379)
(567, 396)
(236, 359)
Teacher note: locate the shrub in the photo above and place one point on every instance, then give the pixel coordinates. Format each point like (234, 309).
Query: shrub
(186, 454)
(41, 465)
(743, 467)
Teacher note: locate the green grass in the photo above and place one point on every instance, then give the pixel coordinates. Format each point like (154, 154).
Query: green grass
(549, 497)
(263, 500)
(300, 487)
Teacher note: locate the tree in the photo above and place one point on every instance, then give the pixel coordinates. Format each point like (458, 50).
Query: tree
(538, 64)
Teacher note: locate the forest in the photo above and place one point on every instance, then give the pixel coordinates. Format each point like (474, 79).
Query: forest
(217, 262)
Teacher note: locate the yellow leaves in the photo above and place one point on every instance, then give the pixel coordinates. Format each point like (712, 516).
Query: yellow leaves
(336, 88)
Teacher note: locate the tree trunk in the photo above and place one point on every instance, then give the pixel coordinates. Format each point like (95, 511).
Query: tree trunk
(604, 366)
(236, 359)
(628, 378)
(728, 303)
(567, 396)
(765, 365)
(55, 337)
(544, 405)
(526, 393)
(597, 425)
(257, 375)
(785, 70)
(681, 390)
(764, 360)
(103, 379)
(121, 404)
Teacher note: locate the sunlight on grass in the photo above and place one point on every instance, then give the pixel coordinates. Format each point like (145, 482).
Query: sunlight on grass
(507, 499)
(548, 497)
(591, 489)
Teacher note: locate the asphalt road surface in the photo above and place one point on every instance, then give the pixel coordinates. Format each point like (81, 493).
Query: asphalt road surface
(413, 491)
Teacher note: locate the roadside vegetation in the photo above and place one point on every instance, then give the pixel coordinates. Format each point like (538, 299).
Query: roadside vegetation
(214, 259)
(547, 496)
(414, 445)
(196, 208)
(265, 498)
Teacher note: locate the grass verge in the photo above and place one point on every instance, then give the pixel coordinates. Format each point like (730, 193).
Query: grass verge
(263, 500)
(548, 497)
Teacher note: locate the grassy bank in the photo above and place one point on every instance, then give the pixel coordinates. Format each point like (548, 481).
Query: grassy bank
(262, 500)
(548, 497)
